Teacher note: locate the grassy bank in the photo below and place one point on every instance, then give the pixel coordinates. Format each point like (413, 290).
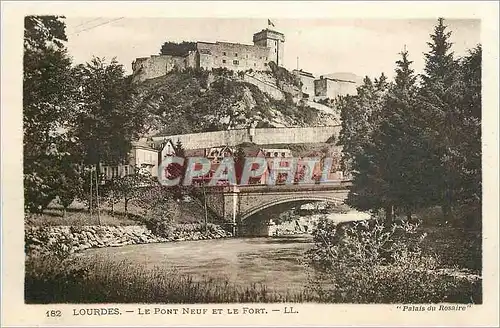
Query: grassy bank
(104, 281)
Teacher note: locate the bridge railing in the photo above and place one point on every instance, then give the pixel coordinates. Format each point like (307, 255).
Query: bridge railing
(341, 184)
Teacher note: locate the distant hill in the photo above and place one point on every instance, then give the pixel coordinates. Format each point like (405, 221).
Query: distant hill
(346, 76)
(199, 101)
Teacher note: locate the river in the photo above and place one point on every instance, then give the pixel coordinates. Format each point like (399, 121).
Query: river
(276, 262)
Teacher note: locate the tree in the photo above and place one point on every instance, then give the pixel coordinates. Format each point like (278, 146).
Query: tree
(177, 49)
(468, 155)
(397, 149)
(48, 97)
(69, 183)
(130, 186)
(239, 162)
(111, 195)
(160, 209)
(361, 115)
(439, 116)
(179, 149)
(105, 122)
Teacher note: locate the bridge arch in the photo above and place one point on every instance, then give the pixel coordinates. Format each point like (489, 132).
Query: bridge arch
(313, 198)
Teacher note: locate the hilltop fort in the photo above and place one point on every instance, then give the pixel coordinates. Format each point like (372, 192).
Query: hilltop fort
(268, 47)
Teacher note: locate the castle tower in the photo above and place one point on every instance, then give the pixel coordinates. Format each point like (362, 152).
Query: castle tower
(273, 40)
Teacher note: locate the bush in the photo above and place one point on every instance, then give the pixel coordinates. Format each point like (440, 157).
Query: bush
(39, 241)
(160, 210)
(282, 75)
(161, 227)
(366, 262)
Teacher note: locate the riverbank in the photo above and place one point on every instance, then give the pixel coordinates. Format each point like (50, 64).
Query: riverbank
(65, 240)
(232, 270)
(147, 268)
(103, 280)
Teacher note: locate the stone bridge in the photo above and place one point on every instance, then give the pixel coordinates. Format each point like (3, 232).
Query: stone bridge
(237, 205)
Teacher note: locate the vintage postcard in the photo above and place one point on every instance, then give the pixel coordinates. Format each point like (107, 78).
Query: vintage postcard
(249, 164)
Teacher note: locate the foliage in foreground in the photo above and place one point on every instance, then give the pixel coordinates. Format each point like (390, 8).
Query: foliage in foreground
(352, 264)
(49, 280)
(367, 262)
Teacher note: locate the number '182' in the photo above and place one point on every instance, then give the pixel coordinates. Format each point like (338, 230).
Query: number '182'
(53, 313)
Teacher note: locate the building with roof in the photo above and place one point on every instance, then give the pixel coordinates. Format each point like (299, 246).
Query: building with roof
(142, 156)
(268, 46)
(327, 86)
(331, 87)
(307, 81)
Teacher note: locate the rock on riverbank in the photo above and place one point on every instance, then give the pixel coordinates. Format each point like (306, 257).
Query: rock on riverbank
(69, 239)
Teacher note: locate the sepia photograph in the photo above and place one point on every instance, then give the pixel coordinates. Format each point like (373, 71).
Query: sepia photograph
(258, 160)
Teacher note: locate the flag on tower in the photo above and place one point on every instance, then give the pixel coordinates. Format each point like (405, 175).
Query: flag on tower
(269, 23)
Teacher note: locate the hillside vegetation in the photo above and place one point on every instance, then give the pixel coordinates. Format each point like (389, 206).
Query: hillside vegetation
(199, 101)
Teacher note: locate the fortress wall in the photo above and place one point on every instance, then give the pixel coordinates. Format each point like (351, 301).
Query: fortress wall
(154, 66)
(295, 135)
(222, 54)
(191, 60)
(274, 89)
(160, 65)
(308, 85)
(332, 89)
(321, 107)
(262, 136)
(209, 139)
(266, 87)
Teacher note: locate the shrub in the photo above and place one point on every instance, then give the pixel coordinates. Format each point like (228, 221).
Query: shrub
(39, 241)
(366, 262)
(160, 210)
(282, 75)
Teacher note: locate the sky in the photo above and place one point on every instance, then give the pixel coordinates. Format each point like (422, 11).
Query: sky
(322, 46)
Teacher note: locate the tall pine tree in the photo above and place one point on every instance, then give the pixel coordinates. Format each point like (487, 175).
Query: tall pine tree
(360, 118)
(468, 155)
(439, 113)
(397, 146)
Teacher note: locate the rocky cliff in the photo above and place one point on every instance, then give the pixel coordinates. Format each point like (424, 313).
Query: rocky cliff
(192, 101)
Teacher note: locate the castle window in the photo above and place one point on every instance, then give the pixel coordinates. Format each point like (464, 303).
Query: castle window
(223, 53)
(223, 61)
(236, 62)
(254, 64)
(235, 54)
(265, 64)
